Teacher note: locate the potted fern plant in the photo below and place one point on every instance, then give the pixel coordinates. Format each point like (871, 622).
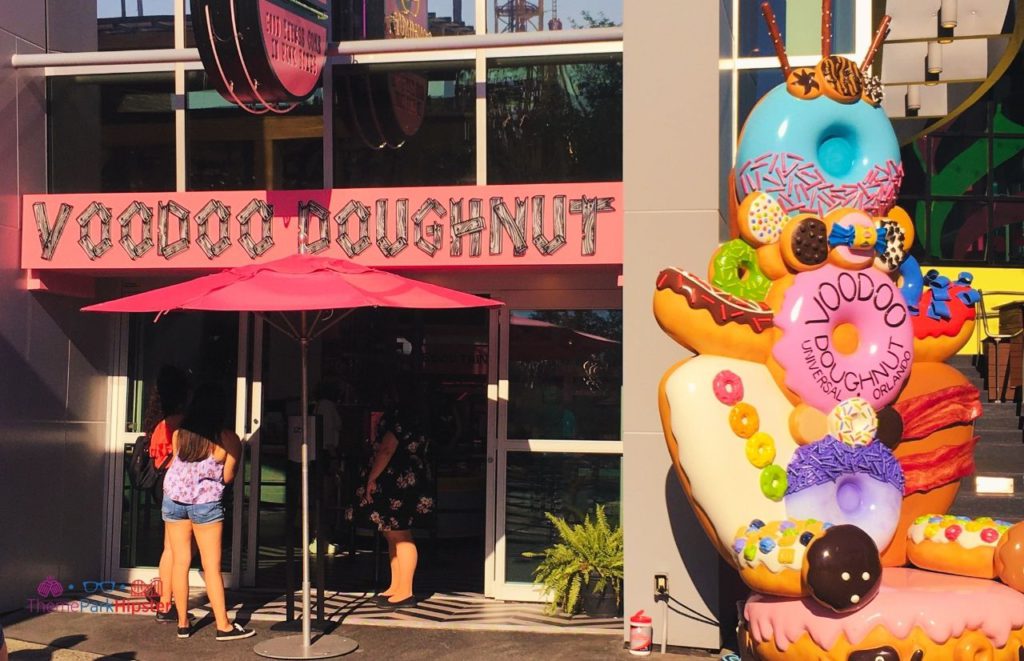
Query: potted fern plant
(584, 569)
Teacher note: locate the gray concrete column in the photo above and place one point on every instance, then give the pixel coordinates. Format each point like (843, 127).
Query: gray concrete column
(671, 170)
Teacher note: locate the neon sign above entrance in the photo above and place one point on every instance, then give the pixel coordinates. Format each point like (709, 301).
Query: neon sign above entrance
(413, 227)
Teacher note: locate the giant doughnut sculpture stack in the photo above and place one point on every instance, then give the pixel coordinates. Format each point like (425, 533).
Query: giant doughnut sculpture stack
(818, 432)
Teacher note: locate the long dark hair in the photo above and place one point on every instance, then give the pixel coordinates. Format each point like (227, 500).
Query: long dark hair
(203, 422)
(166, 398)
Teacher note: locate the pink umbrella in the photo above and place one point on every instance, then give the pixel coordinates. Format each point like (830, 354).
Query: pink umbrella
(303, 284)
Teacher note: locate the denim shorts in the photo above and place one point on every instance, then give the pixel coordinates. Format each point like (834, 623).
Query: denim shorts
(201, 513)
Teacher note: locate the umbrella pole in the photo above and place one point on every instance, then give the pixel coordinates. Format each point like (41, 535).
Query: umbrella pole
(302, 647)
(304, 349)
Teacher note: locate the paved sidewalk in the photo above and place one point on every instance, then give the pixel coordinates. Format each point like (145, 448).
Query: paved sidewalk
(91, 636)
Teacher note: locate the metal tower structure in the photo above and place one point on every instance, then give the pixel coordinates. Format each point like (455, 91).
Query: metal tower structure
(518, 16)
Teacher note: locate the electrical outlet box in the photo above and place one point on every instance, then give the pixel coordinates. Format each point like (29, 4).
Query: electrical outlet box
(661, 584)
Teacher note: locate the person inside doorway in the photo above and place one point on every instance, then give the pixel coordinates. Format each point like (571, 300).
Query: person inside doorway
(206, 456)
(163, 413)
(395, 492)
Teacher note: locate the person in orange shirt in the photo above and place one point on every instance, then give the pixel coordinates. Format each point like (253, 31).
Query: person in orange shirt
(163, 414)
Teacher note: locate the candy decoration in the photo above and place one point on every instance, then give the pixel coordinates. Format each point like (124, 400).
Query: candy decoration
(880, 34)
(826, 28)
(853, 422)
(913, 283)
(773, 30)
(728, 387)
(844, 571)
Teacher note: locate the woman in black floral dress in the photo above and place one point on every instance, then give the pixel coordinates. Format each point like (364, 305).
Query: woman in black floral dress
(396, 495)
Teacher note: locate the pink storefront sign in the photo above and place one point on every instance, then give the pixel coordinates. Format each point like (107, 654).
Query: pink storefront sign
(458, 226)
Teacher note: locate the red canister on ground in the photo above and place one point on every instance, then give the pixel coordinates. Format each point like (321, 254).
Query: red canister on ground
(641, 634)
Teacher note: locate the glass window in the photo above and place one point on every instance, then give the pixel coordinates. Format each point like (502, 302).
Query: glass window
(800, 24)
(567, 485)
(231, 149)
(1008, 170)
(390, 19)
(413, 125)
(1006, 240)
(753, 84)
(959, 165)
(554, 119)
(111, 133)
(135, 24)
(205, 346)
(961, 230)
(565, 374)
(538, 15)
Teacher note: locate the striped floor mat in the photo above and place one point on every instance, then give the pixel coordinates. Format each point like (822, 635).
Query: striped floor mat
(448, 610)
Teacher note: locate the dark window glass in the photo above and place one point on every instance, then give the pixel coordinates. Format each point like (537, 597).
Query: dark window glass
(565, 374)
(915, 176)
(567, 485)
(111, 133)
(961, 229)
(554, 120)
(959, 165)
(357, 20)
(135, 24)
(1008, 167)
(205, 346)
(800, 25)
(1006, 240)
(231, 149)
(538, 15)
(753, 84)
(408, 126)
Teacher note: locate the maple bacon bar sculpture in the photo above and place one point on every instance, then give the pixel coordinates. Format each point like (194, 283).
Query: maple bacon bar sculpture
(818, 431)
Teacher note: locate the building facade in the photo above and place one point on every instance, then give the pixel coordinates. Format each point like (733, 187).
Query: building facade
(552, 173)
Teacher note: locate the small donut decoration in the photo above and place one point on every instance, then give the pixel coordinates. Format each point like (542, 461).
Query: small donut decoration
(859, 485)
(841, 78)
(804, 83)
(804, 243)
(734, 270)
(728, 387)
(760, 449)
(853, 422)
(874, 91)
(774, 482)
(743, 420)
(761, 219)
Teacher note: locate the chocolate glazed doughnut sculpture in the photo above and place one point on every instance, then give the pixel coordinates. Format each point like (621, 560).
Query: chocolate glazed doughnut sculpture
(818, 432)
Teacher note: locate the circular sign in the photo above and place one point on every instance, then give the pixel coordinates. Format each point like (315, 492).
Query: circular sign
(262, 52)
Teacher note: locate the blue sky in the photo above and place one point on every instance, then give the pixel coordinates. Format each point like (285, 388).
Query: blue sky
(566, 8)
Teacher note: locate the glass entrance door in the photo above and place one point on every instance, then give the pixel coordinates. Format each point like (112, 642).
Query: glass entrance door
(558, 443)
(208, 348)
